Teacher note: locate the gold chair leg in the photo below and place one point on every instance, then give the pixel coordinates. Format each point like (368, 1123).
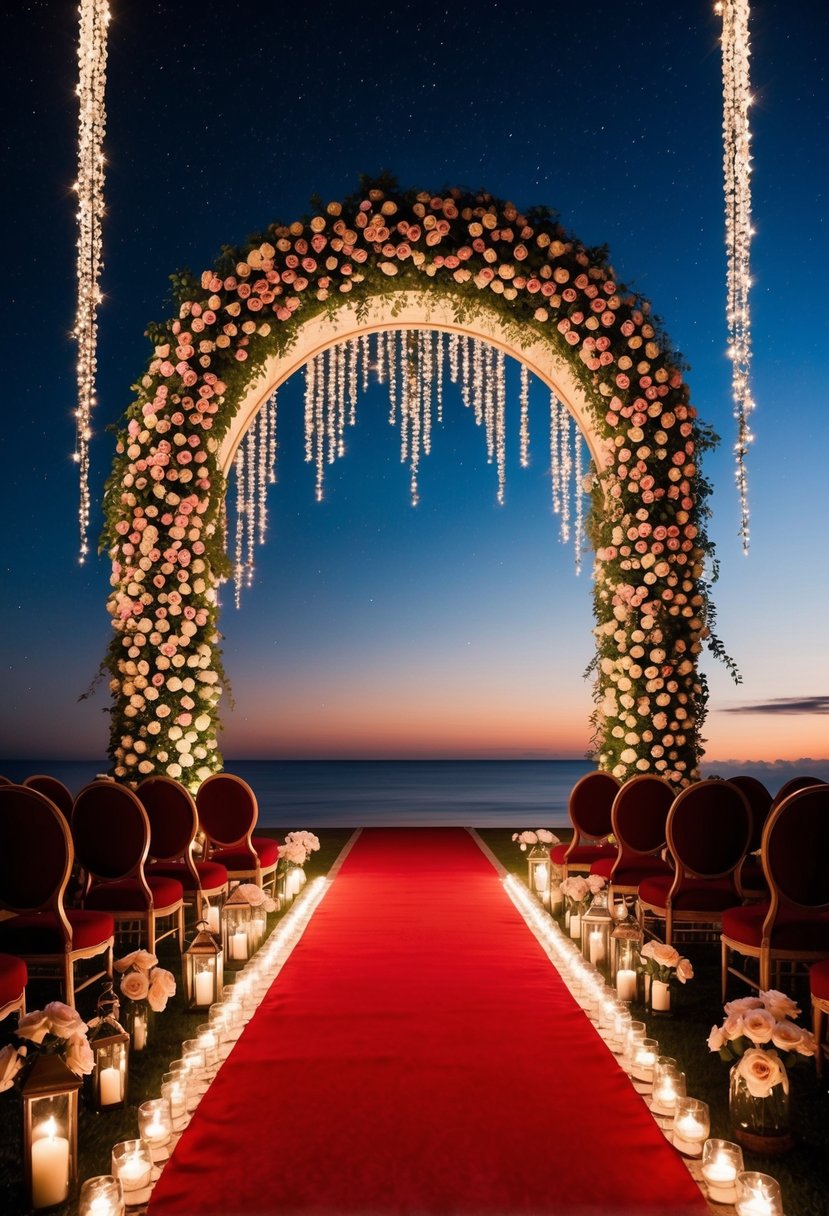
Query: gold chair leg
(69, 981)
(181, 929)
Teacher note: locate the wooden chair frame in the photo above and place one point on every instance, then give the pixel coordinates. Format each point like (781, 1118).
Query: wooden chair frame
(200, 893)
(581, 837)
(261, 875)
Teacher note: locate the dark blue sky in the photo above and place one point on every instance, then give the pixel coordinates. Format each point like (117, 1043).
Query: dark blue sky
(457, 628)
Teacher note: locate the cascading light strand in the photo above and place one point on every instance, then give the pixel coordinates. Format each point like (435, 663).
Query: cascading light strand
(736, 53)
(92, 59)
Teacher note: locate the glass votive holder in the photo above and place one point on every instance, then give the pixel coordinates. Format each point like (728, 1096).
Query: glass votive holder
(155, 1123)
(621, 1025)
(635, 1035)
(645, 1055)
(101, 1196)
(174, 1090)
(722, 1161)
(133, 1165)
(208, 1040)
(758, 1195)
(692, 1124)
(668, 1088)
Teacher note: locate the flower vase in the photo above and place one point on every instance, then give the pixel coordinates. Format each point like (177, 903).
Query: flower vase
(135, 1018)
(659, 998)
(761, 1125)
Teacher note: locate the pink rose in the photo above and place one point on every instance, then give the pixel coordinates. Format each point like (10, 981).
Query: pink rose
(11, 1061)
(786, 1035)
(64, 1020)
(716, 1038)
(761, 1070)
(79, 1056)
(778, 1004)
(684, 971)
(33, 1026)
(758, 1025)
(135, 985)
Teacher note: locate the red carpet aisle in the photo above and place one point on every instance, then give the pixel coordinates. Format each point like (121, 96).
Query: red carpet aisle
(419, 1054)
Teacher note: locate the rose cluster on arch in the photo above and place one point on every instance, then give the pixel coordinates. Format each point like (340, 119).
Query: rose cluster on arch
(165, 498)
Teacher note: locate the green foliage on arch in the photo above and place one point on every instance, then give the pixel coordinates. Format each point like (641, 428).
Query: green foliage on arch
(164, 502)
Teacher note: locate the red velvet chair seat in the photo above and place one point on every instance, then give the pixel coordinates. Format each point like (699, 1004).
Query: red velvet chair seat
(793, 930)
(696, 895)
(211, 873)
(13, 977)
(126, 895)
(631, 875)
(582, 854)
(239, 858)
(38, 932)
(819, 980)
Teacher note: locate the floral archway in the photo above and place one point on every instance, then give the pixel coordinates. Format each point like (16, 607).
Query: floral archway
(462, 262)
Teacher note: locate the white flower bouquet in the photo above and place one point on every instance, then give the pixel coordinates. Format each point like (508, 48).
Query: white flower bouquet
(755, 1029)
(57, 1029)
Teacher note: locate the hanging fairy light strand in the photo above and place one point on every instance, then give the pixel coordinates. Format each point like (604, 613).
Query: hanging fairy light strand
(736, 53)
(92, 58)
(414, 365)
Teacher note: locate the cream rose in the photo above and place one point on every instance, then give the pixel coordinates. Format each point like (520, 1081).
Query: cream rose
(762, 1070)
(662, 954)
(779, 1005)
(64, 1021)
(758, 1025)
(786, 1035)
(744, 1003)
(33, 1026)
(79, 1056)
(135, 985)
(684, 970)
(716, 1038)
(11, 1061)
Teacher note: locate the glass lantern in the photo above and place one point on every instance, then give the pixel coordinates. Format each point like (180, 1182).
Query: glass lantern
(105, 1088)
(202, 963)
(596, 925)
(50, 1131)
(538, 878)
(236, 932)
(212, 914)
(625, 947)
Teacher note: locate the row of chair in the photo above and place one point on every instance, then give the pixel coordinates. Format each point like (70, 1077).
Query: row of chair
(133, 859)
(690, 860)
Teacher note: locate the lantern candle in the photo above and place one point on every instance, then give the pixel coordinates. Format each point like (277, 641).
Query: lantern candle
(214, 918)
(596, 947)
(239, 944)
(575, 924)
(204, 988)
(626, 985)
(691, 1126)
(50, 1166)
(110, 1088)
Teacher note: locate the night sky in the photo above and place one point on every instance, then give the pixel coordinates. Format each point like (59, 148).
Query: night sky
(458, 628)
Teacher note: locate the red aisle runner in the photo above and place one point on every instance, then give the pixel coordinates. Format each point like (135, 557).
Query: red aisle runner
(419, 1054)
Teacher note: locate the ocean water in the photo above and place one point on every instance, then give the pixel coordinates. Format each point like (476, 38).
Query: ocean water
(361, 793)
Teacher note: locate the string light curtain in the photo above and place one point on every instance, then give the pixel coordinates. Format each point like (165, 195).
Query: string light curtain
(736, 53)
(92, 57)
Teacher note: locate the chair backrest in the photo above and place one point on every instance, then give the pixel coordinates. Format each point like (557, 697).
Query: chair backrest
(5, 780)
(55, 790)
(795, 848)
(227, 808)
(640, 814)
(759, 803)
(111, 831)
(792, 786)
(590, 805)
(172, 814)
(35, 851)
(709, 827)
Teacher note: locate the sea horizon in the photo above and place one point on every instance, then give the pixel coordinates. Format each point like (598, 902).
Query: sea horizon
(353, 792)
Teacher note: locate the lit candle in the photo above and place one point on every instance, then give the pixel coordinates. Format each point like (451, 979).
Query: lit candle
(689, 1134)
(133, 1172)
(239, 944)
(110, 1088)
(575, 924)
(50, 1166)
(213, 918)
(596, 947)
(665, 1094)
(101, 1196)
(204, 988)
(626, 984)
(660, 995)
(720, 1176)
(643, 1062)
(139, 1032)
(155, 1132)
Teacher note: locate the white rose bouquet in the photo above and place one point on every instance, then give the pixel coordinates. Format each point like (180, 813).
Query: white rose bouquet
(143, 980)
(57, 1029)
(309, 842)
(541, 836)
(255, 896)
(755, 1030)
(663, 963)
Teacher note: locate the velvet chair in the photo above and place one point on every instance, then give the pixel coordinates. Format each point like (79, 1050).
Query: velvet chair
(13, 979)
(708, 832)
(750, 880)
(228, 812)
(53, 789)
(589, 807)
(792, 786)
(793, 924)
(174, 823)
(639, 818)
(35, 864)
(112, 837)
(819, 987)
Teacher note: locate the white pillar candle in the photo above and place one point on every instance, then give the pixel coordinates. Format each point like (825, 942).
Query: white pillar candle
(213, 918)
(660, 995)
(239, 944)
(110, 1089)
(50, 1166)
(575, 924)
(596, 947)
(204, 988)
(626, 985)
(139, 1032)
